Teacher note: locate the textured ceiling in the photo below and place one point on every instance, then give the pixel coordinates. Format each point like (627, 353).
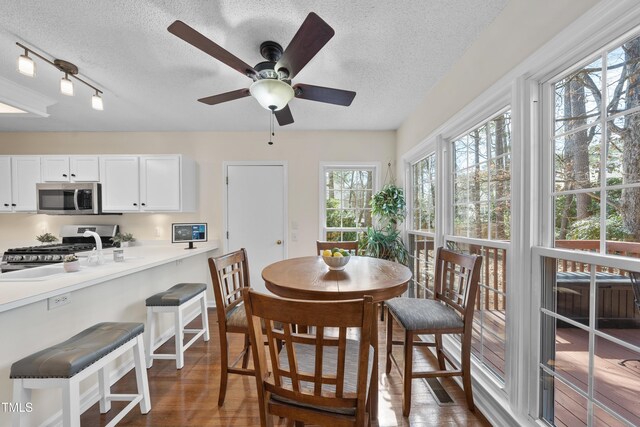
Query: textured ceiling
(390, 52)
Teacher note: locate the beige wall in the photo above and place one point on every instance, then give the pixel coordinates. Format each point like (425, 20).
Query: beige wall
(302, 150)
(522, 28)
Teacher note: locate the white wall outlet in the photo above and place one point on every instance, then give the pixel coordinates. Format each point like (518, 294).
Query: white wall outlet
(178, 262)
(59, 301)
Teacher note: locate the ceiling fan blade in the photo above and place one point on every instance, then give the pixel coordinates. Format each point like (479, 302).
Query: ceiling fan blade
(224, 97)
(312, 35)
(324, 94)
(193, 37)
(284, 116)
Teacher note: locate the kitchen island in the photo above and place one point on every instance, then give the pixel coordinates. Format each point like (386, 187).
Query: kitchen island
(35, 314)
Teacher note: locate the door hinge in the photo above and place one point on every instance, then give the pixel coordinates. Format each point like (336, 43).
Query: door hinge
(227, 180)
(227, 235)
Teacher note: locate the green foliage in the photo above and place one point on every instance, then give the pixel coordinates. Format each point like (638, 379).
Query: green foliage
(385, 244)
(46, 238)
(389, 204)
(123, 237)
(589, 229)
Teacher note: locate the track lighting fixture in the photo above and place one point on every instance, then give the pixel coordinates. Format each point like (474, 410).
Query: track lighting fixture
(27, 67)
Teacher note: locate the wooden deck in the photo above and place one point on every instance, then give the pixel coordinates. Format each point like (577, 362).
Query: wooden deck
(188, 397)
(616, 386)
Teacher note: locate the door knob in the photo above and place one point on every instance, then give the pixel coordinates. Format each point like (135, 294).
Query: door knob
(279, 242)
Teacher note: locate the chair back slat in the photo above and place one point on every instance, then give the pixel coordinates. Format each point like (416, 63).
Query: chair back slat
(321, 384)
(229, 275)
(350, 246)
(457, 279)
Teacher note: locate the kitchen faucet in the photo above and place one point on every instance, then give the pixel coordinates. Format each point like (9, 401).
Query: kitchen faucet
(99, 260)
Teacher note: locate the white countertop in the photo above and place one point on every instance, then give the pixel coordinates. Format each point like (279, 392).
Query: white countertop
(18, 293)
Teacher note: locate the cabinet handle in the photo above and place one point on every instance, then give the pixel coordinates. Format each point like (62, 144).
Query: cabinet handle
(6, 204)
(64, 174)
(135, 204)
(13, 204)
(73, 174)
(143, 204)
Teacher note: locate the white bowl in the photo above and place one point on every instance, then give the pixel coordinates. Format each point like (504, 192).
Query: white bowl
(336, 263)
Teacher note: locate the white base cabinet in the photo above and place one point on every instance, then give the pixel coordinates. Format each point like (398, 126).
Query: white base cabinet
(148, 183)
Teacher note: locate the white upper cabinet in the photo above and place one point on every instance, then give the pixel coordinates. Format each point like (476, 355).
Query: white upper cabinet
(5, 184)
(148, 183)
(120, 183)
(25, 173)
(70, 169)
(160, 183)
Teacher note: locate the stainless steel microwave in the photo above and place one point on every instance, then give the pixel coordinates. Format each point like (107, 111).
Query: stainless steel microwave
(83, 198)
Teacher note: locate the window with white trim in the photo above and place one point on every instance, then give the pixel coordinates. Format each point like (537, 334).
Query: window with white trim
(422, 226)
(481, 224)
(590, 342)
(345, 203)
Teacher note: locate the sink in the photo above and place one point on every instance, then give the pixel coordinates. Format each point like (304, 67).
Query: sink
(32, 274)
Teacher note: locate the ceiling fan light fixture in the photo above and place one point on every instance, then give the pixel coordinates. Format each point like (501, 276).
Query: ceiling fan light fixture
(26, 65)
(271, 94)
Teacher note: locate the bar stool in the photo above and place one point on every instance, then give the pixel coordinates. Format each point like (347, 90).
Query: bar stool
(66, 364)
(176, 300)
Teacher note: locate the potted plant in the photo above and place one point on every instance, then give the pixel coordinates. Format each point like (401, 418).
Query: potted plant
(385, 240)
(46, 238)
(123, 240)
(71, 263)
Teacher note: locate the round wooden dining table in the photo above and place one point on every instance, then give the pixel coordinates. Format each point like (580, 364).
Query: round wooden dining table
(309, 278)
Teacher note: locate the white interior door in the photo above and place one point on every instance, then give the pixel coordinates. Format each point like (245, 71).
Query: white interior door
(256, 215)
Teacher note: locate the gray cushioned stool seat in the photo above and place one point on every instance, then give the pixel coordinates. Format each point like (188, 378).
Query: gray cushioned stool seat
(176, 295)
(416, 314)
(66, 359)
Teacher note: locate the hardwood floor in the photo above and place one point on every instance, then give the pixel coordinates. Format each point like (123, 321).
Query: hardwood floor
(188, 397)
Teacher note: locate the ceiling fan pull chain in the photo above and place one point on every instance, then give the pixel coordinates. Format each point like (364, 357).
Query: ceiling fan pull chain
(271, 132)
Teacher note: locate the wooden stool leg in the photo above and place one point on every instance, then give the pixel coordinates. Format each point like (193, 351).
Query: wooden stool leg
(466, 373)
(389, 342)
(149, 336)
(408, 368)
(21, 396)
(439, 353)
(71, 404)
(247, 349)
(224, 367)
(205, 316)
(179, 339)
(104, 386)
(141, 375)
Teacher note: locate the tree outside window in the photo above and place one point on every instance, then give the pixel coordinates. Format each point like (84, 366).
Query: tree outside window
(348, 193)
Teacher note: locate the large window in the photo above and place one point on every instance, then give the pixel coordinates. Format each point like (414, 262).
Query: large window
(590, 345)
(422, 226)
(597, 150)
(346, 196)
(481, 224)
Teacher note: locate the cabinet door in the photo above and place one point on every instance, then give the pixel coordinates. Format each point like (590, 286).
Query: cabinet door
(120, 183)
(5, 184)
(55, 169)
(160, 183)
(25, 173)
(84, 169)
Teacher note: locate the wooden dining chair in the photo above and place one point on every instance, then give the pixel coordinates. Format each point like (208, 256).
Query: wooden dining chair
(315, 378)
(449, 312)
(230, 275)
(351, 246)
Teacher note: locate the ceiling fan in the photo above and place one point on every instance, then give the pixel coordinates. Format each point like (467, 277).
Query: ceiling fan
(272, 78)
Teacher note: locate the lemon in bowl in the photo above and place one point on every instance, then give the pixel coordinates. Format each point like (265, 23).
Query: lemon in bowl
(336, 258)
